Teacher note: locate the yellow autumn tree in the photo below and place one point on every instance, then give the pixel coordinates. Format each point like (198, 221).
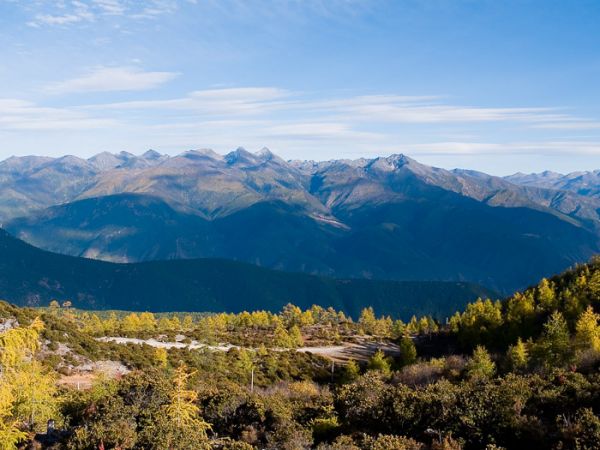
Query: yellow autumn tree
(27, 391)
(587, 331)
(181, 426)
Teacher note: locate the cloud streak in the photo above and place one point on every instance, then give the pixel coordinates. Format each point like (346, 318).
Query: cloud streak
(111, 79)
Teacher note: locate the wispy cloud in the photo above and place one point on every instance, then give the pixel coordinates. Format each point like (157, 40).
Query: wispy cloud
(18, 114)
(299, 121)
(372, 108)
(76, 12)
(107, 79)
(568, 147)
(227, 101)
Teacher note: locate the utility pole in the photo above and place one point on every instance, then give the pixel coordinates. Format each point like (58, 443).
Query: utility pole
(252, 380)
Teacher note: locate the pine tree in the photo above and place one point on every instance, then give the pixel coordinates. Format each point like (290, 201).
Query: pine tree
(545, 295)
(481, 365)
(181, 426)
(161, 356)
(351, 372)
(367, 320)
(281, 338)
(295, 337)
(378, 362)
(518, 356)
(587, 331)
(554, 346)
(408, 351)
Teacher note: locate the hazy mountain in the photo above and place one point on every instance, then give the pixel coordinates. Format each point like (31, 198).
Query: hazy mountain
(29, 276)
(582, 183)
(385, 218)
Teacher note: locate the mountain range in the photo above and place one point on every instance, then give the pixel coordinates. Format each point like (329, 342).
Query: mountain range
(388, 218)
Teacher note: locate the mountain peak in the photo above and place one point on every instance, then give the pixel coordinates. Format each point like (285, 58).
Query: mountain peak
(240, 154)
(265, 153)
(151, 154)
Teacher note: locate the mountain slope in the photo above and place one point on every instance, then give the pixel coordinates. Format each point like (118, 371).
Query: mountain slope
(29, 276)
(384, 218)
(432, 234)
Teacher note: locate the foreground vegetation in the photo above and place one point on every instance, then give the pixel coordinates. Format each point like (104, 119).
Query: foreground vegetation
(522, 372)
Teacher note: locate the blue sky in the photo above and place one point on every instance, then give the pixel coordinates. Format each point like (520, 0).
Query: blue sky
(499, 86)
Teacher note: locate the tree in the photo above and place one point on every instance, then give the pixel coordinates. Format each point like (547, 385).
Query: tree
(147, 321)
(10, 434)
(295, 337)
(54, 305)
(27, 390)
(378, 362)
(481, 365)
(181, 426)
(545, 295)
(175, 323)
(131, 323)
(368, 321)
(165, 324)
(480, 321)
(281, 338)
(408, 351)
(518, 356)
(398, 329)
(351, 372)
(161, 356)
(291, 315)
(554, 345)
(587, 331)
(188, 323)
(36, 398)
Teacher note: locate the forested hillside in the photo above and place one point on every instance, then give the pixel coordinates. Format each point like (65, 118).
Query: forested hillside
(29, 276)
(516, 373)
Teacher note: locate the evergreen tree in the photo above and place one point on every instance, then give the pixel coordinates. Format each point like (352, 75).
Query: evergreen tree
(378, 362)
(554, 347)
(481, 365)
(351, 372)
(587, 331)
(518, 356)
(368, 321)
(408, 351)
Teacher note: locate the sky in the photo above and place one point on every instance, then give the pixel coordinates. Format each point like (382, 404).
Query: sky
(499, 86)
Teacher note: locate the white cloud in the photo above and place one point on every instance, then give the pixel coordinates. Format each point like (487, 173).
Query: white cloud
(383, 109)
(111, 7)
(76, 12)
(248, 100)
(107, 79)
(566, 147)
(18, 114)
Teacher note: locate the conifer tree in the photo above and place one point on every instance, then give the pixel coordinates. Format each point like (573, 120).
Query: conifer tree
(587, 331)
(378, 362)
(408, 351)
(481, 365)
(518, 356)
